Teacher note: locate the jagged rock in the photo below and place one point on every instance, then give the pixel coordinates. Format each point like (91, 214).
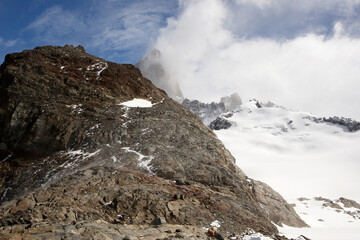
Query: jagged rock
(208, 112)
(348, 123)
(220, 123)
(91, 159)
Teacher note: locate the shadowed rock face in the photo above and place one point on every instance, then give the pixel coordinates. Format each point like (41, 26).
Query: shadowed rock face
(70, 152)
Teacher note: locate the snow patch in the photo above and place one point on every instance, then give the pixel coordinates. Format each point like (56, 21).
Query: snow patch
(216, 224)
(78, 156)
(137, 102)
(256, 236)
(325, 222)
(114, 159)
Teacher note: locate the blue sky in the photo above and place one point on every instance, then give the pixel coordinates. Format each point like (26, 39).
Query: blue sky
(122, 30)
(301, 54)
(116, 30)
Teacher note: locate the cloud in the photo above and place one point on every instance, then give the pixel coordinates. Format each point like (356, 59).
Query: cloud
(108, 28)
(56, 24)
(311, 72)
(288, 19)
(8, 43)
(131, 26)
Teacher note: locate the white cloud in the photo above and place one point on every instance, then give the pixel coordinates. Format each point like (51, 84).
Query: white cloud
(8, 43)
(56, 23)
(105, 26)
(288, 19)
(312, 72)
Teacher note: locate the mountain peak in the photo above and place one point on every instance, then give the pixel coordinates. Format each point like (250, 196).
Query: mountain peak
(99, 141)
(152, 67)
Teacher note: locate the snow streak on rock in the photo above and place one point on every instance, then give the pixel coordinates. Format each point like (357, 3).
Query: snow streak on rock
(143, 161)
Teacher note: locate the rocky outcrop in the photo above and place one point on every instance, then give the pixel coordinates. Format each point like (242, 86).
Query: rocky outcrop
(71, 152)
(280, 212)
(349, 203)
(220, 123)
(347, 124)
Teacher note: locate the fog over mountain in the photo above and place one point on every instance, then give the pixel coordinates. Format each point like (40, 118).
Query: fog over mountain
(246, 46)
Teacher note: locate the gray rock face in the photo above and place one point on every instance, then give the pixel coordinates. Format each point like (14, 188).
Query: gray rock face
(209, 112)
(70, 152)
(152, 68)
(231, 102)
(280, 212)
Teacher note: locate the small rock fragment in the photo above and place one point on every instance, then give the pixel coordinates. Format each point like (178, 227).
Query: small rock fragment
(158, 221)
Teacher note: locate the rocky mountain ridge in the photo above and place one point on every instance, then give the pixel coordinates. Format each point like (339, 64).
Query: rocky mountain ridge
(215, 115)
(73, 151)
(209, 112)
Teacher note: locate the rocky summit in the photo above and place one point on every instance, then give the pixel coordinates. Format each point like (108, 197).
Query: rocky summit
(92, 149)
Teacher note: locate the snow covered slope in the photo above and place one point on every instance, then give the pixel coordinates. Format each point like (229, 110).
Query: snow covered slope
(293, 152)
(298, 154)
(328, 219)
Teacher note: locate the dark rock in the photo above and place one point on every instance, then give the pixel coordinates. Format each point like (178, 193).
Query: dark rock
(220, 123)
(219, 237)
(158, 221)
(179, 182)
(348, 123)
(258, 105)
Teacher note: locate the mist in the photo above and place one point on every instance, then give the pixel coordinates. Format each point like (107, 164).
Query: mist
(314, 70)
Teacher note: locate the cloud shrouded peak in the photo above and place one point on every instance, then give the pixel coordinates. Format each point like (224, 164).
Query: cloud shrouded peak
(312, 69)
(152, 68)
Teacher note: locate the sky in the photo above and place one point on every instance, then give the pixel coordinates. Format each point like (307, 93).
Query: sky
(304, 55)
